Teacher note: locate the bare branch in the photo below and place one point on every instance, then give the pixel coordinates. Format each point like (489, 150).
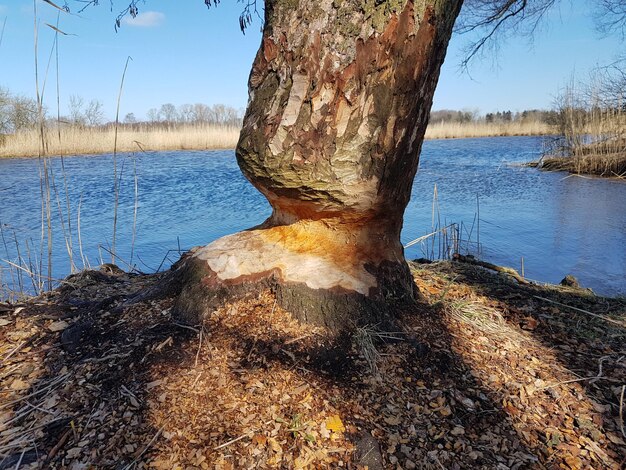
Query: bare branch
(493, 20)
(612, 17)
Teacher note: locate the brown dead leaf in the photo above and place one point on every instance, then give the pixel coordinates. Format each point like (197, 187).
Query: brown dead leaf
(259, 440)
(529, 323)
(393, 420)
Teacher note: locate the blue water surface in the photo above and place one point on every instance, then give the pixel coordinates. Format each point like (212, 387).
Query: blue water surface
(558, 224)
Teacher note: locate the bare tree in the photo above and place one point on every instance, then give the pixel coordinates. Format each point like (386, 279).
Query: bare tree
(16, 112)
(130, 118)
(76, 111)
(5, 126)
(23, 113)
(201, 113)
(94, 115)
(168, 113)
(493, 21)
(153, 115)
(185, 113)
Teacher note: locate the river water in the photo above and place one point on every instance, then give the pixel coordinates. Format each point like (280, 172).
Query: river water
(557, 224)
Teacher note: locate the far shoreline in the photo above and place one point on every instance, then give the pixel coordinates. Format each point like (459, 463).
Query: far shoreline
(100, 141)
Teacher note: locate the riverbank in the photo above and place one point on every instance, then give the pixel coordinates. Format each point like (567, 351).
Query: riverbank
(487, 371)
(606, 165)
(136, 138)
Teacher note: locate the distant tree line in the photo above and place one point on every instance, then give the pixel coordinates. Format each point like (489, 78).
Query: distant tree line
(19, 113)
(473, 116)
(198, 113)
(530, 115)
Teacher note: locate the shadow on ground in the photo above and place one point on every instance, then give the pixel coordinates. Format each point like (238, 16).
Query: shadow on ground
(122, 388)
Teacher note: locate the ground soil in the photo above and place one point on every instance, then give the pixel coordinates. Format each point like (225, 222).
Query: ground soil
(485, 372)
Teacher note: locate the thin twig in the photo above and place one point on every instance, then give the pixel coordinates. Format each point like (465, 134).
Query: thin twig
(621, 411)
(19, 462)
(52, 384)
(145, 449)
(294, 340)
(602, 317)
(59, 444)
(17, 348)
(187, 327)
(232, 441)
(199, 346)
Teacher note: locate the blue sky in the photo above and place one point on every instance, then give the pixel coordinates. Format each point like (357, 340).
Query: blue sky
(183, 53)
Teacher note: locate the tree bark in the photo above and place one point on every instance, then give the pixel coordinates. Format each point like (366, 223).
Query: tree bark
(340, 94)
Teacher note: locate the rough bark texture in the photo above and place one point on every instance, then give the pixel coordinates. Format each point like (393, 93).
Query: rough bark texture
(340, 93)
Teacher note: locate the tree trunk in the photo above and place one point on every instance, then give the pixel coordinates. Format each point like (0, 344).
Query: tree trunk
(340, 93)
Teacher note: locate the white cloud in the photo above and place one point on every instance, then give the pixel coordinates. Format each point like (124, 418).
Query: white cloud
(145, 19)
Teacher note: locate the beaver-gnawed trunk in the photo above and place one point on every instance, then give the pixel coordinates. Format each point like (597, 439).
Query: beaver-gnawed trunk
(340, 93)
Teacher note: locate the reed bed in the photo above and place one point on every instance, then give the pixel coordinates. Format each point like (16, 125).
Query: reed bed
(72, 140)
(594, 142)
(454, 130)
(592, 126)
(611, 164)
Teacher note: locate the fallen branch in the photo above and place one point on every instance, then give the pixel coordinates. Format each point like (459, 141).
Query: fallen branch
(55, 450)
(501, 269)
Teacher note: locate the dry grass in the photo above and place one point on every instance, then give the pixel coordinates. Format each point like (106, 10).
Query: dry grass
(592, 125)
(84, 141)
(592, 143)
(607, 165)
(75, 140)
(452, 130)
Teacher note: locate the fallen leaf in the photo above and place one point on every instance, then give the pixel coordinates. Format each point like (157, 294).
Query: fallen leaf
(615, 439)
(573, 462)
(529, 323)
(458, 431)
(335, 424)
(259, 439)
(58, 326)
(19, 384)
(393, 420)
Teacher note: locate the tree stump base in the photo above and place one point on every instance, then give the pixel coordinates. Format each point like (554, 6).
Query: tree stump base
(322, 273)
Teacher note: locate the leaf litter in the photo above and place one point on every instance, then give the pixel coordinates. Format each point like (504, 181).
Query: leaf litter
(483, 373)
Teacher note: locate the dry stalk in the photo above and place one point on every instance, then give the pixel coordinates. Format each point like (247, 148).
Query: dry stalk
(152, 441)
(199, 346)
(53, 384)
(621, 411)
(580, 310)
(116, 187)
(483, 318)
(363, 338)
